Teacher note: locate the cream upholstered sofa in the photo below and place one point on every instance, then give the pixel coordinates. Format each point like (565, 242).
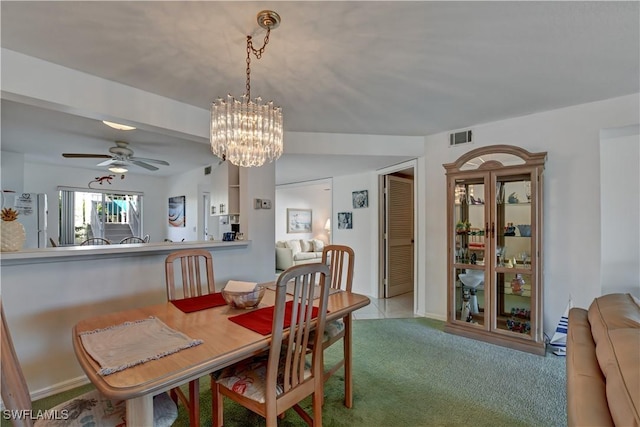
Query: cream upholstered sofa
(603, 363)
(298, 251)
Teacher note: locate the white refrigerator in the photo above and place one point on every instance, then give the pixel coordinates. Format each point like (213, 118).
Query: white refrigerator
(32, 209)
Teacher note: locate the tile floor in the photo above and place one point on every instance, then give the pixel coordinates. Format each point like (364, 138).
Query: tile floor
(400, 306)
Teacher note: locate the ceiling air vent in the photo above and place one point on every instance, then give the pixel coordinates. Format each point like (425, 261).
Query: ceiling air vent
(207, 170)
(458, 138)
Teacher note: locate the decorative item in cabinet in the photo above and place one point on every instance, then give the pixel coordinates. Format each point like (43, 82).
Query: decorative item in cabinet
(494, 229)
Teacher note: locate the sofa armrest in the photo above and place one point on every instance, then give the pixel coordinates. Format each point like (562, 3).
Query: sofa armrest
(586, 386)
(284, 258)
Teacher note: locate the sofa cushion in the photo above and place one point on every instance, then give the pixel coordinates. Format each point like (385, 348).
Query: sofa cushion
(306, 245)
(294, 245)
(613, 311)
(586, 387)
(281, 244)
(318, 245)
(304, 255)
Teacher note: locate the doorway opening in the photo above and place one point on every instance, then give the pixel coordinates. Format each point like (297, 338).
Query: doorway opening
(397, 234)
(85, 214)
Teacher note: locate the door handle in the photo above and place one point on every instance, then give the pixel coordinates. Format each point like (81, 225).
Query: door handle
(493, 229)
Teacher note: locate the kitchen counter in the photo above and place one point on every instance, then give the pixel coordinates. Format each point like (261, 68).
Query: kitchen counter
(78, 253)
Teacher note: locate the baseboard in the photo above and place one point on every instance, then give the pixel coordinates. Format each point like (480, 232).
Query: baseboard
(59, 388)
(434, 316)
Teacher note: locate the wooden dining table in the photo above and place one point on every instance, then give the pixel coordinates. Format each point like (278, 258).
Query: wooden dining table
(223, 343)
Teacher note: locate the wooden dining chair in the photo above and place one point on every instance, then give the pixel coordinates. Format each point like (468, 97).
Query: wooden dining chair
(278, 380)
(95, 241)
(132, 239)
(89, 409)
(189, 273)
(340, 260)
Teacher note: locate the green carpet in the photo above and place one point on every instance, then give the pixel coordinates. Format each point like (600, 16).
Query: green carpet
(409, 373)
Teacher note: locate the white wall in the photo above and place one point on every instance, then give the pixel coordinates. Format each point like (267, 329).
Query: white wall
(313, 195)
(620, 209)
(12, 171)
(363, 237)
(571, 137)
(189, 184)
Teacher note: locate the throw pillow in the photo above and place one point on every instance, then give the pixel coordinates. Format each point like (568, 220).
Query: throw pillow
(294, 245)
(306, 245)
(318, 245)
(281, 244)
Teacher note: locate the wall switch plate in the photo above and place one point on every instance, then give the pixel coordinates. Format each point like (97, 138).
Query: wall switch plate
(257, 203)
(266, 204)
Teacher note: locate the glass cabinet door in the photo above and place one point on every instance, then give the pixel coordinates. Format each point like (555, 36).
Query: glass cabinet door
(469, 249)
(513, 219)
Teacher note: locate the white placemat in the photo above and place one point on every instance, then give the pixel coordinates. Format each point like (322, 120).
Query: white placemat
(121, 346)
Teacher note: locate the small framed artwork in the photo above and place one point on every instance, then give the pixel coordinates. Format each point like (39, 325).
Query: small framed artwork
(345, 220)
(360, 199)
(298, 220)
(177, 211)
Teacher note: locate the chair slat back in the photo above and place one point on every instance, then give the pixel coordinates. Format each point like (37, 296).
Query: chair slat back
(340, 260)
(15, 393)
(95, 241)
(304, 279)
(132, 239)
(195, 273)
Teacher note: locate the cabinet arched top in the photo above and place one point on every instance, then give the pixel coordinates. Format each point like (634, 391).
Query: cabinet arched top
(494, 157)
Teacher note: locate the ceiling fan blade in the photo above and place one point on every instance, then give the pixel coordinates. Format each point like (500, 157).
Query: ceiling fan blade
(107, 162)
(85, 156)
(144, 165)
(142, 159)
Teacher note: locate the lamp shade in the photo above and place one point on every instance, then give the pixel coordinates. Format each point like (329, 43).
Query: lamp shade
(327, 225)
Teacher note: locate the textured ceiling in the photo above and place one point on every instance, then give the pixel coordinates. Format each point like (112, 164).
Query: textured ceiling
(386, 68)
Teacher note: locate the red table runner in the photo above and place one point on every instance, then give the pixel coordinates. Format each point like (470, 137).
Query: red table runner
(261, 320)
(203, 302)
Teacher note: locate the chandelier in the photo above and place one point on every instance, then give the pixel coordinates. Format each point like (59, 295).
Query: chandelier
(248, 132)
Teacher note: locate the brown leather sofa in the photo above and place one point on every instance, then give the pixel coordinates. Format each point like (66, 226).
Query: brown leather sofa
(603, 363)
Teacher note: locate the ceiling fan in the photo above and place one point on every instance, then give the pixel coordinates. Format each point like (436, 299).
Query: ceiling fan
(121, 155)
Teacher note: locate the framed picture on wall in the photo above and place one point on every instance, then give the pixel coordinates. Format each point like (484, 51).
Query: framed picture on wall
(177, 211)
(345, 220)
(360, 199)
(298, 220)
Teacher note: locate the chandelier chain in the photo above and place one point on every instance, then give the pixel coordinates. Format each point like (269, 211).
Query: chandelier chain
(258, 53)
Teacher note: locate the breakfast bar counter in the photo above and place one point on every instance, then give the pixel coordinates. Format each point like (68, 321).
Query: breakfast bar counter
(76, 253)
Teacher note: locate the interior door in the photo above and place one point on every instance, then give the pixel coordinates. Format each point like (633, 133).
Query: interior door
(398, 236)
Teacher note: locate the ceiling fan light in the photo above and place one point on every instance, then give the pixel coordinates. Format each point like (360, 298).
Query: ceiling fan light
(118, 125)
(118, 169)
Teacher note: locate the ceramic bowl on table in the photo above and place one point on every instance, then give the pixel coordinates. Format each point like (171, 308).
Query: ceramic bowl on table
(244, 299)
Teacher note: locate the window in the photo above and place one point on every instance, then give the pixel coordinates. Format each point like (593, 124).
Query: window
(93, 213)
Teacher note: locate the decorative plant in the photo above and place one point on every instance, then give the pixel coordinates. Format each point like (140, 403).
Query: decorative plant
(463, 226)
